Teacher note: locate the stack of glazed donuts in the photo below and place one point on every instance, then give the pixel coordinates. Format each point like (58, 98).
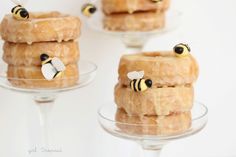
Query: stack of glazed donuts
(42, 37)
(162, 97)
(134, 15)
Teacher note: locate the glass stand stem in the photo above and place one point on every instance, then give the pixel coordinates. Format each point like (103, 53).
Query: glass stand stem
(133, 50)
(134, 42)
(45, 103)
(151, 153)
(152, 148)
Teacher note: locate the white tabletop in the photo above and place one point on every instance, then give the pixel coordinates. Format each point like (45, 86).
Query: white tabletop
(208, 26)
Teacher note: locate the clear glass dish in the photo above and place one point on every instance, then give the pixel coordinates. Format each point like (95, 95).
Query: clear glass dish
(87, 71)
(151, 144)
(136, 40)
(45, 98)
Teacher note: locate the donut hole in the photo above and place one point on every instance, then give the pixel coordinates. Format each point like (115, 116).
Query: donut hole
(53, 14)
(158, 54)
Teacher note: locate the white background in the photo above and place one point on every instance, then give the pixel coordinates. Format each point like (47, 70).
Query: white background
(208, 26)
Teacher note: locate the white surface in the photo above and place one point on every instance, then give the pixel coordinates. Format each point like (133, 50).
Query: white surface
(209, 28)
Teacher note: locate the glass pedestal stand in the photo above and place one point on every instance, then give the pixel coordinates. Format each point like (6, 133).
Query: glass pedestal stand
(45, 98)
(135, 41)
(151, 144)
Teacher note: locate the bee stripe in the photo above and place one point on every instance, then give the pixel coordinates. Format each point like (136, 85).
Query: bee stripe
(13, 9)
(49, 60)
(134, 85)
(18, 10)
(56, 74)
(139, 85)
(188, 48)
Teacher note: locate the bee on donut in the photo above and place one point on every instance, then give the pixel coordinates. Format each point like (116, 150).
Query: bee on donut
(182, 50)
(138, 83)
(51, 67)
(20, 13)
(89, 9)
(156, 1)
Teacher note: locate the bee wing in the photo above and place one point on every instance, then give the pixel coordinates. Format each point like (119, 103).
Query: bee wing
(48, 71)
(23, 2)
(135, 75)
(141, 74)
(58, 64)
(20, 2)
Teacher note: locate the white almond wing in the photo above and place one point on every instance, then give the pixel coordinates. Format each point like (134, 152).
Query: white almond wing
(141, 74)
(20, 2)
(23, 2)
(58, 64)
(48, 71)
(135, 75)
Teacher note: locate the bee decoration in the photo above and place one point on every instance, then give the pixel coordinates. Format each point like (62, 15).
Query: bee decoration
(156, 1)
(182, 50)
(51, 67)
(138, 83)
(89, 9)
(19, 12)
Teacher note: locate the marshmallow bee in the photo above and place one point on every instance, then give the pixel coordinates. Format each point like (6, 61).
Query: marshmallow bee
(182, 50)
(138, 83)
(89, 9)
(51, 67)
(19, 12)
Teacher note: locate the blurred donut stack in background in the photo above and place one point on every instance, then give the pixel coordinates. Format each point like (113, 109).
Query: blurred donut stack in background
(134, 15)
(159, 98)
(30, 43)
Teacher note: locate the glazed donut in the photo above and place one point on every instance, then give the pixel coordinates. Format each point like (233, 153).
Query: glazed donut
(130, 6)
(31, 77)
(141, 21)
(163, 68)
(153, 125)
(29, 55)
(41, 27)
(155, 101)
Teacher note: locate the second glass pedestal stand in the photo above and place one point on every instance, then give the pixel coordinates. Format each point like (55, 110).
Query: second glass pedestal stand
(45, 98)
(135, 41)
(151, 144)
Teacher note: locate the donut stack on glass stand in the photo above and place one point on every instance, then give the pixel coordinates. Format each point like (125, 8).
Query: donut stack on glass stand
(135, 15)
(42, 51)
(155, 93)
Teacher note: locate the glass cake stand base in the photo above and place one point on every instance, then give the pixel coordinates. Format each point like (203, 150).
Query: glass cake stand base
(151, 144)
(45, 98)
(135, 41)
